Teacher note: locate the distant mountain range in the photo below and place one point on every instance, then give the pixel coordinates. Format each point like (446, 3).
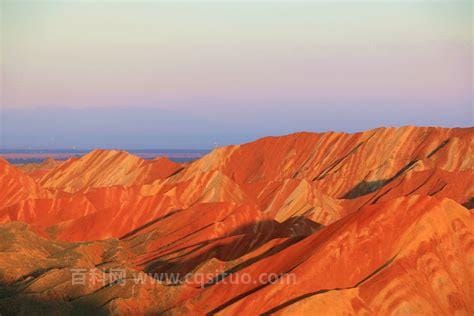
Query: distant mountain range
(22, 156)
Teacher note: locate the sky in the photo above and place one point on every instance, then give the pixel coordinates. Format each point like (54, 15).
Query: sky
(195, 74)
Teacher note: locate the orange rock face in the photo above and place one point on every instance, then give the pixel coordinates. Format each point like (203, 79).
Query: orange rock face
(376, 222)
(38, 170)
(101, 168)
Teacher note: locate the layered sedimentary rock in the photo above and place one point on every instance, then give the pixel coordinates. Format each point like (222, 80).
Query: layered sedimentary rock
(102, 168)
(398, 256)
(16, 186)
(376, 222)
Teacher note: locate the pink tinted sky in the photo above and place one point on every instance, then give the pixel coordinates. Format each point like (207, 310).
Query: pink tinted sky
(228, 66)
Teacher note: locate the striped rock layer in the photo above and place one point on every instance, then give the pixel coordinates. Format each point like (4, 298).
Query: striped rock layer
(376, 222)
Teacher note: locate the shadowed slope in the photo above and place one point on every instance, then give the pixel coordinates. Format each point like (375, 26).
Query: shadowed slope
(364, 263)
(400, 255)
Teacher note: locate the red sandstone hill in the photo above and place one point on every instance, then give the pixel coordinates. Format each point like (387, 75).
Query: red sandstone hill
(375, 222)
(103, 168)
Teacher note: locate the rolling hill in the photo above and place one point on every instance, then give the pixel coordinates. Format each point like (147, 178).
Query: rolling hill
(376, 222)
